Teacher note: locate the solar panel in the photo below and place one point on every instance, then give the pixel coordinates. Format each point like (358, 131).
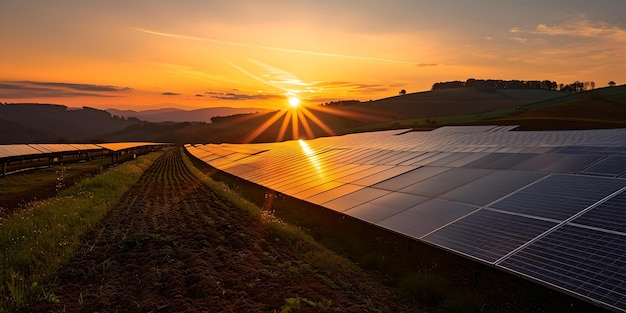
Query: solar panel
(560, 196)
(383, 175)
(492, 187)
(488, 235)
(17, 150)
(426, 217)
(410, 177)
(353, 199)
(126, 145)
(611, 166)
(444, 182)
(584, 261)
(610, 215)
(571, 163)
(385, 206)
(333, 194)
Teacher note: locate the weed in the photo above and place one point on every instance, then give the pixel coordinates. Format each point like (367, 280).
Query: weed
(426, 288)
(464, 303)
(295, 304)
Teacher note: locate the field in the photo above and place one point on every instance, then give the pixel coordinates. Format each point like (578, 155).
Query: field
(173, 244)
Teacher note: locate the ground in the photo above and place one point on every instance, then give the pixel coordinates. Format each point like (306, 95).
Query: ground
(173, 245)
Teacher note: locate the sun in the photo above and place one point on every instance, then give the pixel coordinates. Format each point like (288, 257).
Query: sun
(294, 102)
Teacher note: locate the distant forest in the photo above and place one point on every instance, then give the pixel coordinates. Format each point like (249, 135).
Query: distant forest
(490, 84)
(576, 86)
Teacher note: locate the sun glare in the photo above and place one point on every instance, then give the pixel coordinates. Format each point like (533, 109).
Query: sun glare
(294, 102)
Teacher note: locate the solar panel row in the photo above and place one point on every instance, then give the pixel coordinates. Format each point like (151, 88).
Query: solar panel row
(500, 197)
(18, 150)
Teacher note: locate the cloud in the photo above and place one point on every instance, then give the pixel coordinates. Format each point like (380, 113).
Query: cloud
(579, 38)
(578, 27)
(583, 28)
(170, 94)
(351, 86)
(239, 96)
(243, 44)
(30, 89)
(426, 64)
(82, 87)
(199, 95)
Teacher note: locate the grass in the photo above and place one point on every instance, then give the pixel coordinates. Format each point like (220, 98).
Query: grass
(312, 251)
(311, 256)
(26, 181)
(36, 242)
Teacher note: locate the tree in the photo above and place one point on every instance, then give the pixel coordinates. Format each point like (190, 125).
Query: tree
(402, 92)
(611, 84)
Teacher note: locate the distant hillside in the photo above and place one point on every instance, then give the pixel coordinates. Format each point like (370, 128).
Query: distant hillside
(178, 115)
(533, 109)
(446, 102)
(598, 108)
(27, 123)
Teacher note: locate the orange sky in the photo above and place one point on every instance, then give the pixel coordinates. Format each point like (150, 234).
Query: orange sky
(194, 54)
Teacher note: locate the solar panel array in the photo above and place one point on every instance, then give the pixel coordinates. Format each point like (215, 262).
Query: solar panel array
(550, 206)
(19, 150)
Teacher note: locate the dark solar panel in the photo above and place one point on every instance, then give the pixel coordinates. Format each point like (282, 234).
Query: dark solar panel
(486, 161)
(446, 181)
(492, 187)
(560, 196)
(610, 215)
(584, 261)
(488, 235)
(537, 162)
(571, 163)
(385, 206)
(409, 178)
(426, 217)
(613, 166)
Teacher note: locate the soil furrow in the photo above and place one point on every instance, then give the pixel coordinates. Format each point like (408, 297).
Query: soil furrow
(172, 245)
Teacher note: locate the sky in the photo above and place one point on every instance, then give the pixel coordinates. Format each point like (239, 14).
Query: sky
(149, 54)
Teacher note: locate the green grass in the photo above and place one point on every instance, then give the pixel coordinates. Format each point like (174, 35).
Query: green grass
(33, 179)
(35, 243)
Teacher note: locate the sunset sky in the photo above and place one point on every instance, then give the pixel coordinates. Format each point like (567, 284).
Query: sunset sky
(205, 53)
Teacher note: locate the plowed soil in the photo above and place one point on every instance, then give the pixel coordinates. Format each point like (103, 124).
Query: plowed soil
(173, 245)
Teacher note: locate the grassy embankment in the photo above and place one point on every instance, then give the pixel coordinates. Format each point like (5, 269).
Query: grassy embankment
(40, 239)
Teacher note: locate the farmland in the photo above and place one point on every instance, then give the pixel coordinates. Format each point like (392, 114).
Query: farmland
(173, 244)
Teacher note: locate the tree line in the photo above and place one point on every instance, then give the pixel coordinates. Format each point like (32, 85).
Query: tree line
(576, 86)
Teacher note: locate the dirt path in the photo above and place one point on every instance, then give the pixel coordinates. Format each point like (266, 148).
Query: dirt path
(172, 245)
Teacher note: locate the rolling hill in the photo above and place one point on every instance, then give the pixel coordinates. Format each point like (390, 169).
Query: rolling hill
(178, 115)
(44, 123)
(530, 108)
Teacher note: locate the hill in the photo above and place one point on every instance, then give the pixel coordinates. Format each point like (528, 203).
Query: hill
(532, 109)
(178, 115)
(599, 108)
(45, 123)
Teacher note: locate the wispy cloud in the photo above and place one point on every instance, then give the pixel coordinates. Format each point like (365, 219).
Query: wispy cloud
(82, 87)
(583, 28)
(577, 27)
(426, 65)
(239, 96)
(170, 94)
(249, 45)
(30, 89)
(351, 86)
